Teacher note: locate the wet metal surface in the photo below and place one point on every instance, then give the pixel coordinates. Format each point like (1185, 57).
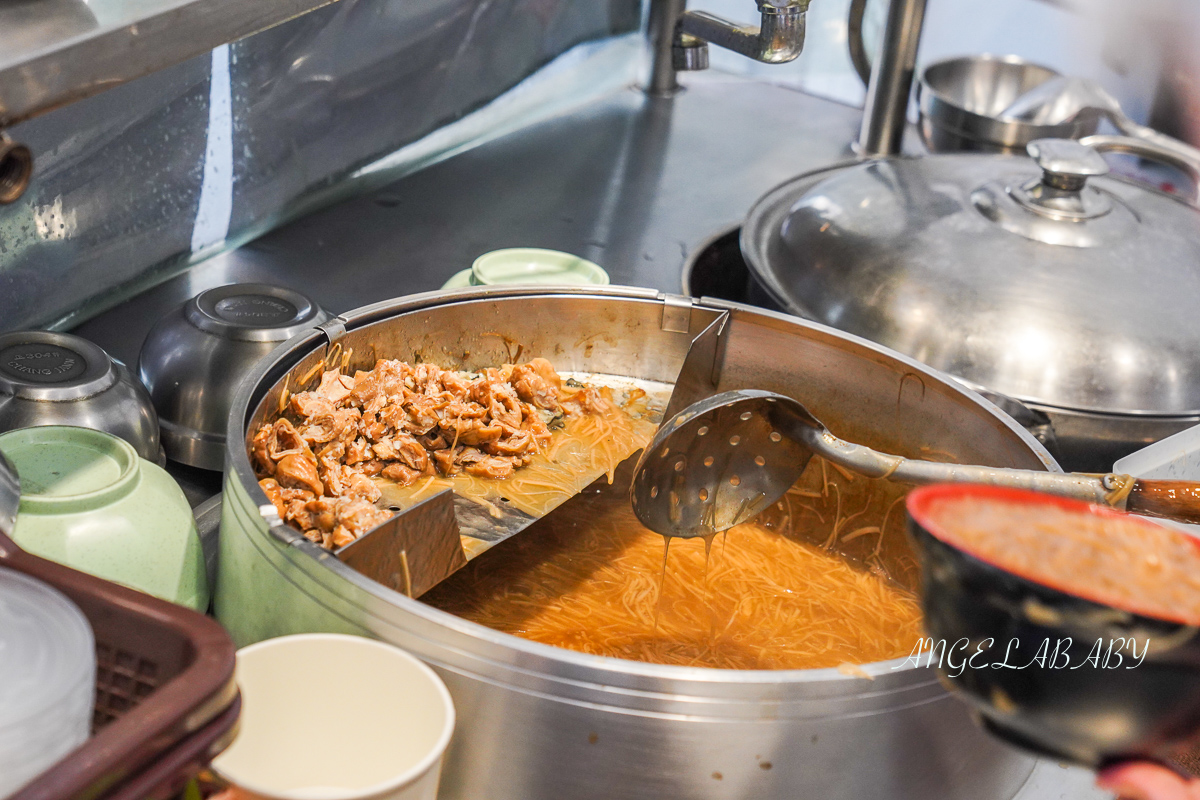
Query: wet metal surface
(634, 183)
(53, 52)
(129, 183)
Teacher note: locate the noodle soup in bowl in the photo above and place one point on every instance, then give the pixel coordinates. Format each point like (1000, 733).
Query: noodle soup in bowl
(1082, 620)
(542, 721)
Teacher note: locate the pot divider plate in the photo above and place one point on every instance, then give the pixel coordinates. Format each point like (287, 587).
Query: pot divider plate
(426, 542)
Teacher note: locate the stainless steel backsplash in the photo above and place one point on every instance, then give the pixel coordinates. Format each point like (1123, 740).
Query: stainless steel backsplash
(130, 182)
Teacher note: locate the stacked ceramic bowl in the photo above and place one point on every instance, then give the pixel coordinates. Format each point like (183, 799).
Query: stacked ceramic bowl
(528, 265)
(47, 678)
(88, 501)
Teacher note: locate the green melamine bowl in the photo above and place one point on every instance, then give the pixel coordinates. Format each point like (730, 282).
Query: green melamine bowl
(88, 501)
(535, 265)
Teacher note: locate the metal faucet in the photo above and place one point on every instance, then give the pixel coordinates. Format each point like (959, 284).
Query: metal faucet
(680, 38)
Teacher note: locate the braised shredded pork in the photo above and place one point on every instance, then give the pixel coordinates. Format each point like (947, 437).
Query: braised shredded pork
(400, 421)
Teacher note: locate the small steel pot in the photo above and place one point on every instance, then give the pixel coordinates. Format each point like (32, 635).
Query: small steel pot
(49, 378)
(194, 357)
(1115, 708)
(961, 100)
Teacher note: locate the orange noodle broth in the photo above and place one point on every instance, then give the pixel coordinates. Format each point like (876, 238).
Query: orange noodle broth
(817, 581)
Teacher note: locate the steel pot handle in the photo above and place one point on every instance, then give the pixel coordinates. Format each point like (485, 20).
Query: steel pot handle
(854, 40)
(1149, 143)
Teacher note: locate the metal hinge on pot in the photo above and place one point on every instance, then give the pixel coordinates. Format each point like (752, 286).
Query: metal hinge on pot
(334, 329)
(701, 372)
(677, 313)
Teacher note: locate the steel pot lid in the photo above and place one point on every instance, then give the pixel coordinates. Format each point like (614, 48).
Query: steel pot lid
(1042, 279)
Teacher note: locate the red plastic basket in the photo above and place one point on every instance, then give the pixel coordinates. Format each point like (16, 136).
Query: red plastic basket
(166, 701)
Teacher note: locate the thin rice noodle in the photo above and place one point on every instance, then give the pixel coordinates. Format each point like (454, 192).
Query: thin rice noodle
(819, 583)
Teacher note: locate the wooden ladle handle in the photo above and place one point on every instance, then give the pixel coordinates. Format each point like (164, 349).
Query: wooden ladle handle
(1177, 500)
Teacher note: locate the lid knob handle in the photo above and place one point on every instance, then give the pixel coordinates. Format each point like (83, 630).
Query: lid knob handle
(1066, 164)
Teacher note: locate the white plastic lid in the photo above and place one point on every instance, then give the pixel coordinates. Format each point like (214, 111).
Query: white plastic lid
(46, 650)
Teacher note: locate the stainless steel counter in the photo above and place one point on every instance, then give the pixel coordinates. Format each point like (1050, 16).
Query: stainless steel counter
(633, 183)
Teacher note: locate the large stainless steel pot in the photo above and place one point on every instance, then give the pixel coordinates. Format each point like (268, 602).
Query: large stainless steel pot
(540, 723)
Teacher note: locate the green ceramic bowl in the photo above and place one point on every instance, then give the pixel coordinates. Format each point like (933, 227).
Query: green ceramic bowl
(89, 502)
(533, 265)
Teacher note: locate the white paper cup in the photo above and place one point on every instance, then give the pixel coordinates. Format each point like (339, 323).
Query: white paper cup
(333, 717)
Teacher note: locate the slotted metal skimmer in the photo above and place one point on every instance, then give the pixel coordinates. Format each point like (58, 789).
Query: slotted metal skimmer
(719, 462)
(722, 460)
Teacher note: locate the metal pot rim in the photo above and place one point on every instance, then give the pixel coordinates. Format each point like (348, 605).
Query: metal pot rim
(587, 669)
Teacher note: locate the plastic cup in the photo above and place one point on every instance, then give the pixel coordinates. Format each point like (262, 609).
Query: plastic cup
(333, 717)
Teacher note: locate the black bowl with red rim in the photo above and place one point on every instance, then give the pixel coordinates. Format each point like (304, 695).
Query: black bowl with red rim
(1043, 667)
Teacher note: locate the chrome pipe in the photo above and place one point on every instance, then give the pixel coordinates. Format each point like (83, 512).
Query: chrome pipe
(886, 110)
(660, 33)
(778, 39)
